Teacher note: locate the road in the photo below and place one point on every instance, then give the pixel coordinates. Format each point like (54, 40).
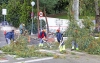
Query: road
(70, 57)
(2, 39)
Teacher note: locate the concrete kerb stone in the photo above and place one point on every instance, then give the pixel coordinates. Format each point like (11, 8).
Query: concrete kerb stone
(1, 52)
(58, 53)
(75, 52)
(51, 51)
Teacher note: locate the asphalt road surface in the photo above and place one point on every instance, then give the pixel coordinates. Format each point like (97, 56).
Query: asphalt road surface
(70, 57)
(2, 39)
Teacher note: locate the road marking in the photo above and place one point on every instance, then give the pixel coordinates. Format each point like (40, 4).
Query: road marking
(20, 58)
(35, 60)
(1, 61)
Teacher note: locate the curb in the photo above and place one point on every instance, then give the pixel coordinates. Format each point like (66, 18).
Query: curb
(76, 52)
(58, 53)
(1, 52)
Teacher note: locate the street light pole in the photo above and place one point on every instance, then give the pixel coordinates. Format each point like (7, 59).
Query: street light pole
(32, 3)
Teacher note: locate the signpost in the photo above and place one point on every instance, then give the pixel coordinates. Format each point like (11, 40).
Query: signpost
(4, 12)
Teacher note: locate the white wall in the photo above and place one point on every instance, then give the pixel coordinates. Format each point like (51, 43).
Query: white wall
(52, 23)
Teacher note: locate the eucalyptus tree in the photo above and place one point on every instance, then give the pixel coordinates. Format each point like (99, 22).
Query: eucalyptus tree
(75, 9)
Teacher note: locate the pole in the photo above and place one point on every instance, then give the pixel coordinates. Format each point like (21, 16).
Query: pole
(32, 22)
(4, 20)
(46, 21)
(38, 16)
(41, 24)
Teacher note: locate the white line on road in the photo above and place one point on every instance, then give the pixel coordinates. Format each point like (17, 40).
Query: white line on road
(1, 61)
(35, 60)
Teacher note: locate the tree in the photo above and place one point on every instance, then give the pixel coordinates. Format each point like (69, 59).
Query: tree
(60, 5)
(86, 8)
(13, 12)
(3, 1)
(75, 9)
(25, 12)
(48, 4)
(97, 18)
(96, 7)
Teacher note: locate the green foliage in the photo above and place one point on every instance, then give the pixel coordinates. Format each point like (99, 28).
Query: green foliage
(94, 47)
(48, 5)
(83, 37)
(13, 12)
(3, 6)
(72, 29)
(25, 12)
(21, 49)
(87, 8)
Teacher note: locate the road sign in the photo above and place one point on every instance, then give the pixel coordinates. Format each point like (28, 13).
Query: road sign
(4, 11)
(40, 14)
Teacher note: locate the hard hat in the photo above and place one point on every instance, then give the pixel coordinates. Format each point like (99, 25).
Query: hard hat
(58, 30)
(23, 24)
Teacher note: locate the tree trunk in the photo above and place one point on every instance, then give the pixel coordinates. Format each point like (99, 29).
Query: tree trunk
(46, 21)
(75, 9)
(97, 18)
(38, 17)
(96, 7)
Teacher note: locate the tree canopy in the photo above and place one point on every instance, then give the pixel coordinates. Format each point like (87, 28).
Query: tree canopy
(19, 11)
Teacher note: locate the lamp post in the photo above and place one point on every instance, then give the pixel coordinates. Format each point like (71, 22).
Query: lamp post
(32, 3)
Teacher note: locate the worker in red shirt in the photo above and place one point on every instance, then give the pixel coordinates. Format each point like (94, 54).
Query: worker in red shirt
(42, 36)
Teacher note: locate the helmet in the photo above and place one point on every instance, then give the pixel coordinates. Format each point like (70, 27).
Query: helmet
(12, 30)
(23, 24)
(58, 30)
